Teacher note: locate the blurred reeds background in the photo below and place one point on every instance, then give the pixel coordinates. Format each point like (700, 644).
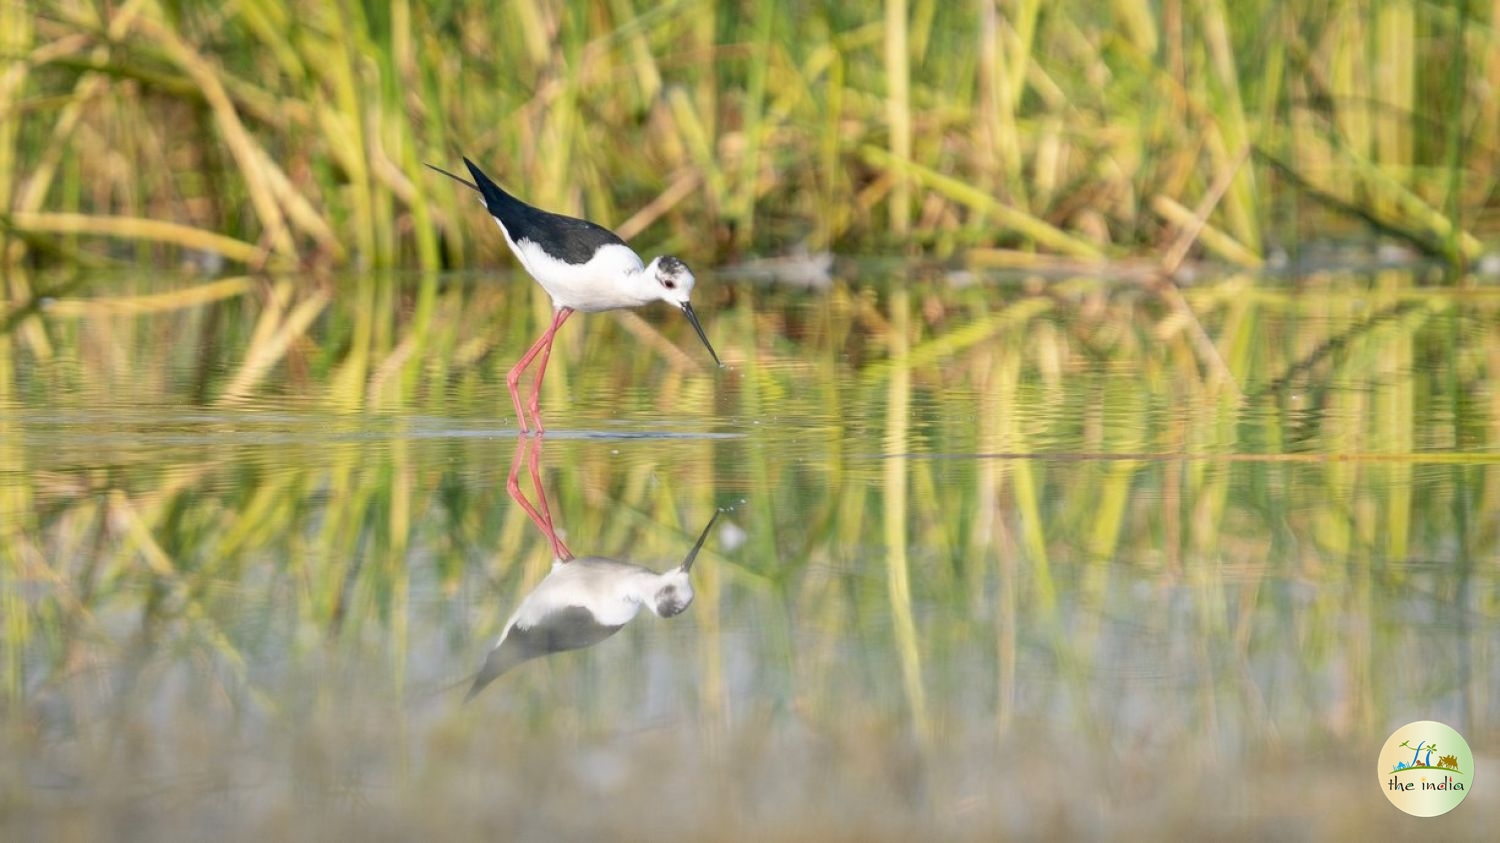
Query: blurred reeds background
(249, 523)
(280, 133)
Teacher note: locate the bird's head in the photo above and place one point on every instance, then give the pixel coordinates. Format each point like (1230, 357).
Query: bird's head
(674, 593)
(674, 283)
(674, 590)
(673, 279)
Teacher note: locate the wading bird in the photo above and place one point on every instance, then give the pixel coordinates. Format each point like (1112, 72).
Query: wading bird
(582, 266)
(584, 601)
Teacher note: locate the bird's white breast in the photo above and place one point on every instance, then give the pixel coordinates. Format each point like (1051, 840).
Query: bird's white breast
(611, 591)
(608, 281)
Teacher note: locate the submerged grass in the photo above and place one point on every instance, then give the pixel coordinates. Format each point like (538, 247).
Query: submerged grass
(721, 129)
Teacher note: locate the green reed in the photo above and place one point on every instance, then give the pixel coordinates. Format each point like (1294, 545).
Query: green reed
(273, 132)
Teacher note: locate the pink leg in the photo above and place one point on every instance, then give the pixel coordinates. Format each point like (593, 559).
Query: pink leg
(542, 519)
(513, 379)
(541, 368)
(533, 464)
(543, 346)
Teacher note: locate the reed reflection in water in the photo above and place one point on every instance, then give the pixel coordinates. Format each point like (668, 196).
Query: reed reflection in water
(1011, 558)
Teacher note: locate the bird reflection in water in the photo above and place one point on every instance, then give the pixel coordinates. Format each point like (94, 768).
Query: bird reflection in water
(582, 600)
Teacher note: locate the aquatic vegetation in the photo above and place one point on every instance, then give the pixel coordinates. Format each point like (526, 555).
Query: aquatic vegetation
(273, 133)
(249, 527)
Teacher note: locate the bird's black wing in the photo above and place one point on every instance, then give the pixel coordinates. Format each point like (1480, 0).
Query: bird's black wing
(566, 238)
(571, 628)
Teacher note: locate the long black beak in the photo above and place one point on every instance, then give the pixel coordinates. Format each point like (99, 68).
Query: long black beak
(687, 564)
(687, 307)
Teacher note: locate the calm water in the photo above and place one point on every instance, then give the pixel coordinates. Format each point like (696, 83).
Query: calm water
(1000, 558)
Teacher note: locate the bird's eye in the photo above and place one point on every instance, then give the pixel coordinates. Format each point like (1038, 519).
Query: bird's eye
(669, 284)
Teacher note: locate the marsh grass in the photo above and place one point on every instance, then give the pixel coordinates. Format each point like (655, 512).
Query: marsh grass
(297, 131)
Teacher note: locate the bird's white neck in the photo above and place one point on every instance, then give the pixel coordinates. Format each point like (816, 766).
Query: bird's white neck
(640, 587)
(665, 594)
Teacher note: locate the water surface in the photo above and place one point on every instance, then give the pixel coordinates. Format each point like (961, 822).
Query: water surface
(1063, 558)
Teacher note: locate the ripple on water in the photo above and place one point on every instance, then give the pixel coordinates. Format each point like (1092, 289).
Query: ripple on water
(1081, 569)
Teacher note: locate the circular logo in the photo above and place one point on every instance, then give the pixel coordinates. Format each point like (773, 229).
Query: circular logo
(1426, 768)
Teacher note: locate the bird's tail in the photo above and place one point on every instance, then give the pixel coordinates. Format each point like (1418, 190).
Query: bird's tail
(432, 693)
(501, 205)
(499, 660)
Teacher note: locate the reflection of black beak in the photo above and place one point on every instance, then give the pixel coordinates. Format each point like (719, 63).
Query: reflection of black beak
(687, 308)
(687, 564)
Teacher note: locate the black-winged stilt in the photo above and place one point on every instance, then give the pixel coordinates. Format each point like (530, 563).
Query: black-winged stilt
(584, 601)
(582, 266)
